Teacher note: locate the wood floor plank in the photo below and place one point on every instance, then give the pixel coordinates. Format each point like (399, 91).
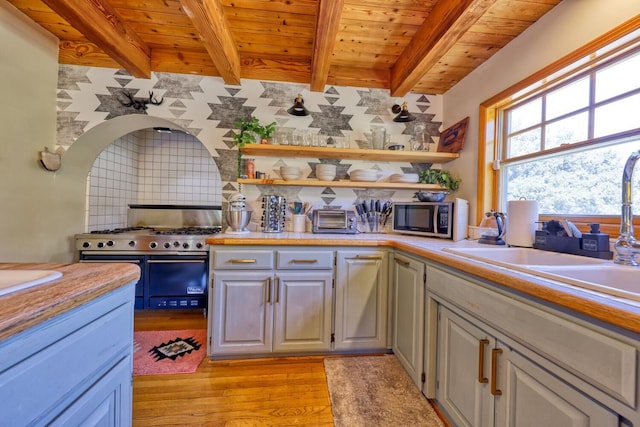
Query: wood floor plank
(288, 391)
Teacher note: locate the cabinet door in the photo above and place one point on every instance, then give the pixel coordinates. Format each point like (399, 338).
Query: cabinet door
(361, 300)
(463, 370)
(302, 309)
(532, 397)
(408, 314)
(242, 317)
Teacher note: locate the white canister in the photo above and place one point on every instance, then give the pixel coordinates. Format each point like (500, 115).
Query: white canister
(299, 223)
(522, 217)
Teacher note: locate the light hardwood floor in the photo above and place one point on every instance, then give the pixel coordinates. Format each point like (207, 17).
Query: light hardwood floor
(248, 392)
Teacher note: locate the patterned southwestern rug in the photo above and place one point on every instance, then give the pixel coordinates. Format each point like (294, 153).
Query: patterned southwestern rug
(376, 391)
(168, 352)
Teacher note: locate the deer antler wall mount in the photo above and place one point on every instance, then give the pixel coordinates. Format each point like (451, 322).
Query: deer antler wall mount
(139, 104)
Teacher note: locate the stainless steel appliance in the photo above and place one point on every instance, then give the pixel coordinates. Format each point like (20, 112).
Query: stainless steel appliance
(448, 220)
(168, 243)
(338, 221)
(274, 209)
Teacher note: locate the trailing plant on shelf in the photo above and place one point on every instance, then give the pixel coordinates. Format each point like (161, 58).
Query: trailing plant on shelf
(441, 177)
(251, 132)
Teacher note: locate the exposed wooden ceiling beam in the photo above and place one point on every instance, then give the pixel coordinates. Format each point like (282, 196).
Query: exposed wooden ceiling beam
(327, 25)
(100, 24)
(445, 25)
(209, 19)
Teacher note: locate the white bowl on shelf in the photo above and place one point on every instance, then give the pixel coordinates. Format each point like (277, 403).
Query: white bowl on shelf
(290, 177)
(364, 175)
(326, 172)
(327, 177)
(290, 173)
(407, 178)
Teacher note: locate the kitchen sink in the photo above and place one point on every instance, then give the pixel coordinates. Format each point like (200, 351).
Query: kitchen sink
(618, 280)
(585, 272)
(508, 257)
(16, 280)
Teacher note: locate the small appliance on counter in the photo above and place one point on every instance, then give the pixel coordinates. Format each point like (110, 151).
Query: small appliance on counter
(447, 220)
(338, 221)
(501, 224)
(274, 209)
(237, 215)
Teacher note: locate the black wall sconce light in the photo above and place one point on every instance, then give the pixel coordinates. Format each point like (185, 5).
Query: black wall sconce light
(403, 115)
(298, 107)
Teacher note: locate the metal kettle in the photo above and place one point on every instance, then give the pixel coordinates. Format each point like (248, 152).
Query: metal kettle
(501, 223)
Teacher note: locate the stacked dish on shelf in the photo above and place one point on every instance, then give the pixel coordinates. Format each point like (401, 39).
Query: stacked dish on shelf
(290, 173)
(407, 178)
(326, 171)
(364, 175)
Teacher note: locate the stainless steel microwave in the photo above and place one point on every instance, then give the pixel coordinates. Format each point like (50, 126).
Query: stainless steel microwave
(447, 220)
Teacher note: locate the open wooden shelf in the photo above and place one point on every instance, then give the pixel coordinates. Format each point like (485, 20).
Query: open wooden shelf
(268, 150)
(342, 183)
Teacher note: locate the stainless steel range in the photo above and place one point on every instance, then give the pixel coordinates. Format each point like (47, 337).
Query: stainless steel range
(168, 243)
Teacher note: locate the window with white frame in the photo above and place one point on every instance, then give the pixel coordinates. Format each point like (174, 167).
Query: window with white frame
(564, 141)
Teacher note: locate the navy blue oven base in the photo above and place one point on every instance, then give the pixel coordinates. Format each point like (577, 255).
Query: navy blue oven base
(166, 281)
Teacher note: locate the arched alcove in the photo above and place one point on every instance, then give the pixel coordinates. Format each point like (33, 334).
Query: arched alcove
(124, 161)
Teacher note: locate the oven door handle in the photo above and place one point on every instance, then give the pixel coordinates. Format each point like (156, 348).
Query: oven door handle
(174, 261)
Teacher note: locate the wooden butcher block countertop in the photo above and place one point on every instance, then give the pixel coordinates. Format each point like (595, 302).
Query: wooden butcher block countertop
(79, 284)
(619, 312)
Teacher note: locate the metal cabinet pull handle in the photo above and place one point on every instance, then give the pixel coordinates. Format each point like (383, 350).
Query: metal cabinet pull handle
(368, 257)
(277, 291)
(402, 262)
(243, 261)
(268, 290)
(310, 261)
(481, 378)
(494, 367)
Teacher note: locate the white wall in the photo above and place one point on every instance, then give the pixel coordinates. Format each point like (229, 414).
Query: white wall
(30, 214)
(570, 25)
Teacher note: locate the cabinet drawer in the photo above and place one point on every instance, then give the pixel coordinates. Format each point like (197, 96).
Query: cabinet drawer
(304, 260)
(605, 360)
(242, 260)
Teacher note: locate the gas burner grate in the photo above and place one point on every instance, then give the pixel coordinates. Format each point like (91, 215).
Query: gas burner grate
(190, 231)
(120, 230)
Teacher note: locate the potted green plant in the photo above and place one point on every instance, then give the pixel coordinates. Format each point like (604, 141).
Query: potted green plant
(441, 177)
(251, 131)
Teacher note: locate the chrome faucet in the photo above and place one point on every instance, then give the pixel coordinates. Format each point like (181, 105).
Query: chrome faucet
(627, 247)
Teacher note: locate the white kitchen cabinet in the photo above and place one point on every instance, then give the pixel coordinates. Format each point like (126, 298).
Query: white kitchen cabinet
(241, 315)
(483, 382)
(503, 360)
(270, 307)
(408, 283)
(302, 307)
(361, 308)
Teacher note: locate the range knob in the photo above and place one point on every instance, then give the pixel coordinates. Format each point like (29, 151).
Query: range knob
(101, 244)
(199, 245)
(153, 245)
(132, 243)
(167, 245)
(110, 243)
(176, 244)
(185, 245)
(86, 245)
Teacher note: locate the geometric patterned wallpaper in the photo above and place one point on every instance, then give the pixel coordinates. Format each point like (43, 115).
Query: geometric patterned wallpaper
(208, 107)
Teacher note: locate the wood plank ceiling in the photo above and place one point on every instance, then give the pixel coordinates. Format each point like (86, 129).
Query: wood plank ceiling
(402, 45)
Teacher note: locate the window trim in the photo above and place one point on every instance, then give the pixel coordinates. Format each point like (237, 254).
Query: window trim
(488, 184)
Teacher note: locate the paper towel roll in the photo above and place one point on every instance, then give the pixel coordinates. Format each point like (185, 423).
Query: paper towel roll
(522, 216)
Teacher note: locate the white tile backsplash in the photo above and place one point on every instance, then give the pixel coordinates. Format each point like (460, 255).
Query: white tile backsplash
(147, 167)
